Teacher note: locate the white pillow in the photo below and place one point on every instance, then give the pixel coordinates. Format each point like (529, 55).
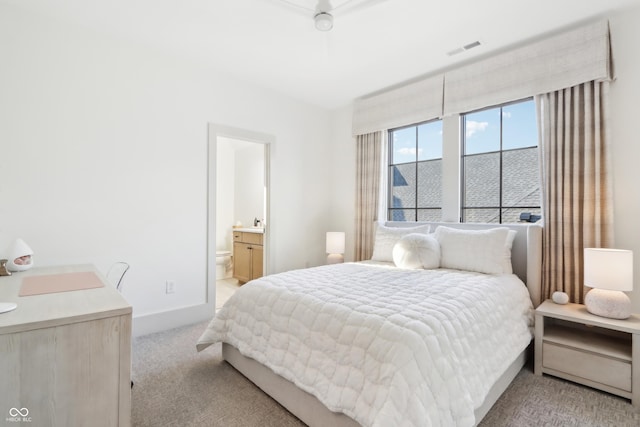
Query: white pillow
(484, 251)
(506, 262)
(387, 237)
(417, 250)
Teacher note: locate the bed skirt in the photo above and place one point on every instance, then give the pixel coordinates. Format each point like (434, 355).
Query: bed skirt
(313, 413)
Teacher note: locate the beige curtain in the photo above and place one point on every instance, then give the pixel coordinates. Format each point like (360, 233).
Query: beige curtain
(576, 180)
(368, 161)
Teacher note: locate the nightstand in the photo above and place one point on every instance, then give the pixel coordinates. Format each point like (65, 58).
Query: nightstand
(602, 353)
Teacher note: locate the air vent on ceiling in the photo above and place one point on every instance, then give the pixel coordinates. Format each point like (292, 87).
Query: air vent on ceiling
(463, 48)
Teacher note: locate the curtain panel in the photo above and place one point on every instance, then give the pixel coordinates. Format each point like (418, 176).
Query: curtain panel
(576, 183)
(368, 165)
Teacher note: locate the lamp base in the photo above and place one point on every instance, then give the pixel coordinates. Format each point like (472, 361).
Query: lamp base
(606, 303)
(335, 259)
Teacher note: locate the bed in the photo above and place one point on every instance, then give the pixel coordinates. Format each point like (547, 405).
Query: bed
(385, 342)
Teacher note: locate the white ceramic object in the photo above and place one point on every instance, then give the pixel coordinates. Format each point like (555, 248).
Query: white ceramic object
(560, 297)
(20, 249)
(7, 306)
(606, 303)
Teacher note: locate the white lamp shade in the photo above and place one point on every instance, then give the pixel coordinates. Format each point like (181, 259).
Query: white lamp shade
(335, 242)
(17, 250)
(610, 269)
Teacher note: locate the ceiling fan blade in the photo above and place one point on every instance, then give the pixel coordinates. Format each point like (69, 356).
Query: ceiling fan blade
(295, 7)
(356, 5)
(324, 6)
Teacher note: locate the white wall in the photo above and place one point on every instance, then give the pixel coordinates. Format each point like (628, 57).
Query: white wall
(225, 193)
(103, 157)
(342, 211)
(249, 184)
(625, 98)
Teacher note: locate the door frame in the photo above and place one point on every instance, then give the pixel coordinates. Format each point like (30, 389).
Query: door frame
(215, 131)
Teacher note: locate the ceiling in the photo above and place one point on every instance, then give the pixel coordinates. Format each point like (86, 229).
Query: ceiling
(374, 44)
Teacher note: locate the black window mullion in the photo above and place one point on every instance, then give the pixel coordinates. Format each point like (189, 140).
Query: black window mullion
(415, 204)
(500, 174)
(463, 190)
(390, 207)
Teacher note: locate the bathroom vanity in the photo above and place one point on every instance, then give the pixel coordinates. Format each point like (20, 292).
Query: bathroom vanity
(248, 244)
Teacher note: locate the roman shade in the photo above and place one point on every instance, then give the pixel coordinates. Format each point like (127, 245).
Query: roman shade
(569, 59)
(410, 103)
(564, 60)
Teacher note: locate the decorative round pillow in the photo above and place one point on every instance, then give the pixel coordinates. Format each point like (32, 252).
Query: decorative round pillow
(417, 250)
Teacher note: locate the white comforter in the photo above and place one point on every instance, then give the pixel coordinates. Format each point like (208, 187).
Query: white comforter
(387, 347)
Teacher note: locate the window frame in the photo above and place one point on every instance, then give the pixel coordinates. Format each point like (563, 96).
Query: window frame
(390, 165)
(501, 151)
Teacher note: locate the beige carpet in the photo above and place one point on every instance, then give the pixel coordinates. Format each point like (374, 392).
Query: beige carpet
(175, 386)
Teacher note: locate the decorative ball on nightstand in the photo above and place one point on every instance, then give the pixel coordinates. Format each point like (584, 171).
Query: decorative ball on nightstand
(560, 297)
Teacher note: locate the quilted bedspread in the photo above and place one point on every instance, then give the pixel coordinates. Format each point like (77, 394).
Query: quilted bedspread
(386, 346)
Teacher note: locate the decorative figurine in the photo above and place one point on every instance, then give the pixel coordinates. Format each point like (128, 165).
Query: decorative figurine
(3, 268)
(20, 256)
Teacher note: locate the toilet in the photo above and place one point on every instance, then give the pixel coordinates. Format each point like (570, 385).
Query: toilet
(223, 264)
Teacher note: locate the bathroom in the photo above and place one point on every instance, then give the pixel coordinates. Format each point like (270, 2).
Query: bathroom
(240, 204)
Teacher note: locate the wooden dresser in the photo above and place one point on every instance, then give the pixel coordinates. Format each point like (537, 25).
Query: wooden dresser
(65, 357)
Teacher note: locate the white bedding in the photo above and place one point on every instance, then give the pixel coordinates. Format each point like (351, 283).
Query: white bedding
(383, 345)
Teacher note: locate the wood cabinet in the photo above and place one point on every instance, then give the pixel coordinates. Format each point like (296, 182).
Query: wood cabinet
(66, 356)
(602, 353)
(248, 252)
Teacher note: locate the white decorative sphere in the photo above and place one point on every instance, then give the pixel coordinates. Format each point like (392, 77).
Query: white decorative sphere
(560, 297)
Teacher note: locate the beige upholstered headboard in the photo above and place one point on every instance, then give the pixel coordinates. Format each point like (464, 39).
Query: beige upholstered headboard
(526, 253)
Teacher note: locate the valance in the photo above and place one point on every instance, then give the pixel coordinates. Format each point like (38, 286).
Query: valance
(562, 61)
(565, 60)
(411, 103)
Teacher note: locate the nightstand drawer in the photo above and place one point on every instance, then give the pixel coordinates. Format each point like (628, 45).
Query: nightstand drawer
(587, 365)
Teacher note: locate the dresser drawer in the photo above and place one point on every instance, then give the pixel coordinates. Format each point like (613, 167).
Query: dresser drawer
(594, 367)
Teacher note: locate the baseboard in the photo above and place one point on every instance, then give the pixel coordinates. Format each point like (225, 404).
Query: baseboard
(165, 320)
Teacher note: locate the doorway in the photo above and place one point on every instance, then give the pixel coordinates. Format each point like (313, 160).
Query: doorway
(238, 195)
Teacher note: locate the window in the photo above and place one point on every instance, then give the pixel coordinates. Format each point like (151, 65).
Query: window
(415, 172)
(500, 166)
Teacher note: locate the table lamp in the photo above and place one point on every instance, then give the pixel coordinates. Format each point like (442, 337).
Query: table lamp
(20, 256)
(609, 272)
(335, 247)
